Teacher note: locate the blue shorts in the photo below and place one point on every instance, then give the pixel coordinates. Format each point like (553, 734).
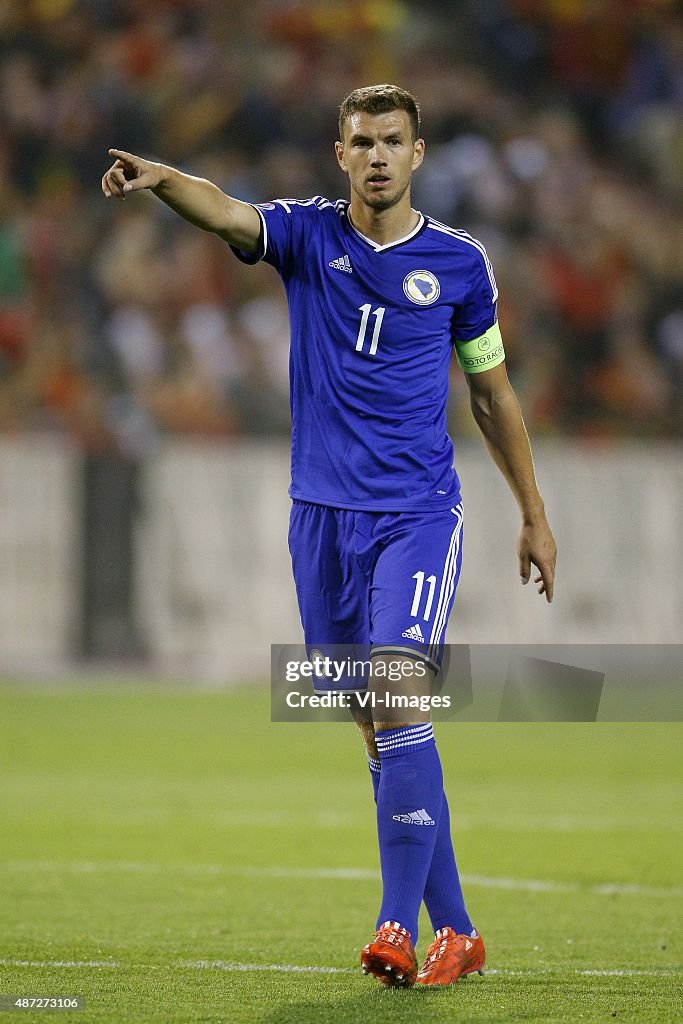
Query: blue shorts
(379, 580)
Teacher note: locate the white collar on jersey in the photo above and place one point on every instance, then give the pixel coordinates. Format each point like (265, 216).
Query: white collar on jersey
(389, 245)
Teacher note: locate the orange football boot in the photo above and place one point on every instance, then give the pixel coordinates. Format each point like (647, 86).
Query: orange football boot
(451, 956)
(391, 956)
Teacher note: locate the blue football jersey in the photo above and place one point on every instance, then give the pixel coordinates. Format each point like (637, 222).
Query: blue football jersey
(373, 329)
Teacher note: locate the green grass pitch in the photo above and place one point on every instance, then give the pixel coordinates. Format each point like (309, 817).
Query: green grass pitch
(166, 853)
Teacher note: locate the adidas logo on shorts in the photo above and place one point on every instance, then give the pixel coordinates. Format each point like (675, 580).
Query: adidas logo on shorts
(414, 633)
(414, 818)
(343, 263)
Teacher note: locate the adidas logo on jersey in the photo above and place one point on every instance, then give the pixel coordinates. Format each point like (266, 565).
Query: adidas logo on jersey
(414, 633)
(414, 818)
(343, 263)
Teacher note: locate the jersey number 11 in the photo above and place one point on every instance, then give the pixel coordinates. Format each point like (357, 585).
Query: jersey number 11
(378, 314)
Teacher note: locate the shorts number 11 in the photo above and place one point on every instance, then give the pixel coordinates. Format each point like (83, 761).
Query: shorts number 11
(419, 577)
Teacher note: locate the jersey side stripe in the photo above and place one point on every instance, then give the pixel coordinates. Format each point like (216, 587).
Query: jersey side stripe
(442, 590)
(447, 569)
(447, 580)
(466, 237)
(318, 201)
(265, 232)
(459, 232)
(443, 615)
(445, 575)
(439, 628)
(462, 236)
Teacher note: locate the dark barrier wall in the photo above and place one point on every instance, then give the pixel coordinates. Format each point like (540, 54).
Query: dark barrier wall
(110, 506)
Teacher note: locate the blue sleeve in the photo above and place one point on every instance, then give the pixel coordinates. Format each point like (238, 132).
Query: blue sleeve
(281, 231)
(477, 313)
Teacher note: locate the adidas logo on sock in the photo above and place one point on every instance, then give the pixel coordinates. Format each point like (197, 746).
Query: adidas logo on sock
(414, 633)
(343, 263)
(414, 818)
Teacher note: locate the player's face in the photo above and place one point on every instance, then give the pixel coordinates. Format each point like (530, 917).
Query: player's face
(379, 156)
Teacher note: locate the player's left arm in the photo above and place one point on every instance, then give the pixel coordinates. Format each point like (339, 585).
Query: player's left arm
(499, 417)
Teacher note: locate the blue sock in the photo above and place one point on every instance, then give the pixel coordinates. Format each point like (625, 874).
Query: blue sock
(443, 893)
(409, 803)
(375, 767)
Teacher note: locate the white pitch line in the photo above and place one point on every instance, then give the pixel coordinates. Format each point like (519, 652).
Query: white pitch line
(476, 881)
(226, 965)
(539, 885)
(545, 885)
(60, 963)
(340, 874)
(619, 972)
(223, 965)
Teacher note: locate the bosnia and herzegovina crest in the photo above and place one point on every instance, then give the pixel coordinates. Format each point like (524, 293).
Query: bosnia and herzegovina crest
(422, 287)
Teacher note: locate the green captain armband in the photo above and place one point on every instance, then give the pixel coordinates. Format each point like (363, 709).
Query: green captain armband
(481, 353)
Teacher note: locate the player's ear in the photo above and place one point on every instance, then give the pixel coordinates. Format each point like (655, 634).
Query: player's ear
(418, 153)
(339, 150)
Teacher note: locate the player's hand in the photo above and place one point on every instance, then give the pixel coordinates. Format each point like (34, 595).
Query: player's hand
(536, 546)
(130, 173)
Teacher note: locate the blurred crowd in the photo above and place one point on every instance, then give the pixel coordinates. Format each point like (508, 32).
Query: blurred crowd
(553, 134)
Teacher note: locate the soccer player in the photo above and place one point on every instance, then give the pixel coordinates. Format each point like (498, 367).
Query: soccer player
(380, 296)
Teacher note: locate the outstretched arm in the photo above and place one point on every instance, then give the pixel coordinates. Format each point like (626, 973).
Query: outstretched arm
(197, 200)
(496, 410)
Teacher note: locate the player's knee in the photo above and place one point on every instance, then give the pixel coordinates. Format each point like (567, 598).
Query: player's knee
(368, 733)
(381, 726)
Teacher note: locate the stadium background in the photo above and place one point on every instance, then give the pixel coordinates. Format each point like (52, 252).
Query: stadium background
(143, 370)
(147, 823)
